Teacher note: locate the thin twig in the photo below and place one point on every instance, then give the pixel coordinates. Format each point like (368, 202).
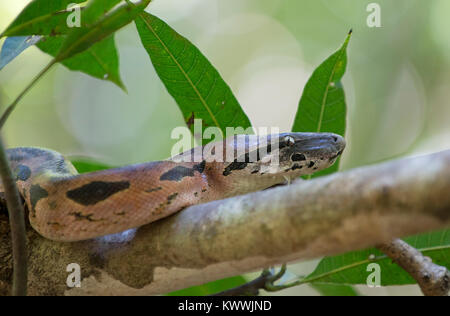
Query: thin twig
(266, 281)
(248, 289)
(17, 224)
(434, 280)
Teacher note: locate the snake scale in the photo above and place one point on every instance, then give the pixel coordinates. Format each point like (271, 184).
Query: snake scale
(66, 206)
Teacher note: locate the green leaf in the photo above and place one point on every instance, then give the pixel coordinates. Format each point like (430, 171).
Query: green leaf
(189, 77)
(100, 61)
(334, 289)
(96, 9)
(211, 287)
(41, 17)
(351, 268)
(81, 38)
(86, 165)
(14, 46)
(322, 106)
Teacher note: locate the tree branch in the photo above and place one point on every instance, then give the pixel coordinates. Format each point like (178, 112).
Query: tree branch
(17, 226)
(325, 216)
(434, 280)
(264, 282)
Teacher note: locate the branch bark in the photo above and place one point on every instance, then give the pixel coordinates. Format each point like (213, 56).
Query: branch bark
(308, 219)
(434, 280)
(17, 226)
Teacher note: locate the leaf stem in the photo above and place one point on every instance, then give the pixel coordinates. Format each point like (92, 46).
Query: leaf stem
(17, 224)
(13, 105)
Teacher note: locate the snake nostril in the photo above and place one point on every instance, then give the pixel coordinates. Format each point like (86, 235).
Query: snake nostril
(335, 139)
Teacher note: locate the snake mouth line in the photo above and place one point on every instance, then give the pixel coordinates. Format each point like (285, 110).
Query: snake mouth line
(254, 148)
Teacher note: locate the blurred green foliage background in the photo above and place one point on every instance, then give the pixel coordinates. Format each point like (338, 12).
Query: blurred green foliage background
(397, 81)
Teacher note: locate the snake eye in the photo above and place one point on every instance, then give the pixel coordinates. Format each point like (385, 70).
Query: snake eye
(289, 140)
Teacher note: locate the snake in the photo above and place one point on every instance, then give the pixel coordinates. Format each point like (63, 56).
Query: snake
(66, 206)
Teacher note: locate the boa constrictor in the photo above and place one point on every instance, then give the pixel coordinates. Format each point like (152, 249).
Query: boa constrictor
(66, 206)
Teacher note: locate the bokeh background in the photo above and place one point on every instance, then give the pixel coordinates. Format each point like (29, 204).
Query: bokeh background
(397, 83)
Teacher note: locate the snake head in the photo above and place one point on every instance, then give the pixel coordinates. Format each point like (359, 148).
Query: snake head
(294, 154)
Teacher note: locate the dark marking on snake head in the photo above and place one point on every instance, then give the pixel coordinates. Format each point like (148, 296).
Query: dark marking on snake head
(36, 193)
(298, 157)
(22, 172)
(236, 165)
(61, 166)
(335, 156)
(97, 191)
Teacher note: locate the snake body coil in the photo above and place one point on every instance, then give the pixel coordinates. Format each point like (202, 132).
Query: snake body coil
(66, 206)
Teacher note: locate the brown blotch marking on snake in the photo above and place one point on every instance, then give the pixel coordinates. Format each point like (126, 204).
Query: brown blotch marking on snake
(159, 209)
(36, 193)
(234, 166)
(153, 189)
(52, 205)
(22, 172)
(55, 225)
(200, 167)
(163, 205)
(171, 197)
(296, 166)
(97, 191)
(120, 213)
(179, 172)
(80, 217)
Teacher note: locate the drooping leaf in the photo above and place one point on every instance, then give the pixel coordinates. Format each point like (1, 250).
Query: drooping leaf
(189, 77)
(41, 17)
(81, 38)
(87, 165)
(334, 289)
(211, 287)
(351, 268)
(100, 61)
(322, 107)
(14, 46)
